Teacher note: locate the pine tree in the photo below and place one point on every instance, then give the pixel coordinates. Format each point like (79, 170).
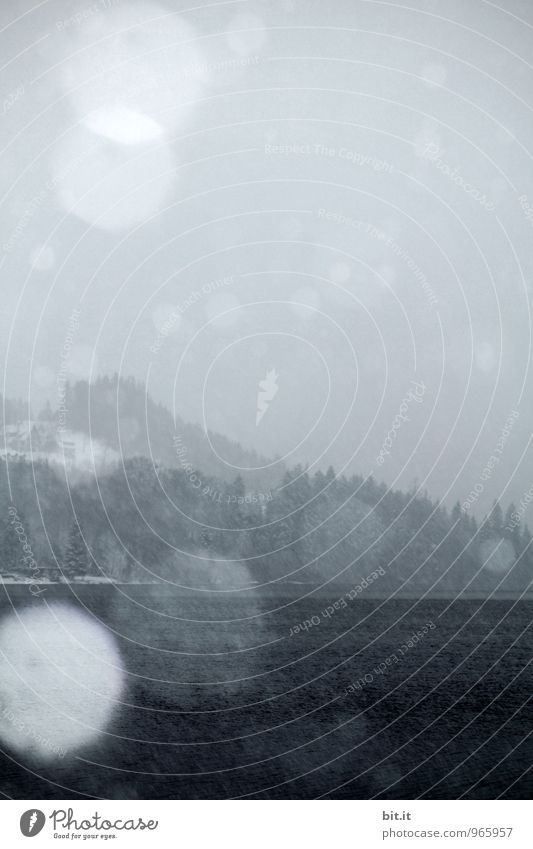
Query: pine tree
(129, 568)
(457, 513)
(510, 519)
(12, 556)
(513, 528)
(76, 560)
(496, 518)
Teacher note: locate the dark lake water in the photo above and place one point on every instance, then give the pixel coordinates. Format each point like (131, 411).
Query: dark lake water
(220, 701)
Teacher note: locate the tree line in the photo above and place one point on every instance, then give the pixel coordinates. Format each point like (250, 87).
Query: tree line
(141, 521)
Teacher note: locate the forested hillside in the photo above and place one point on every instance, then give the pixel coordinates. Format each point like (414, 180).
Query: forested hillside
(142, 521)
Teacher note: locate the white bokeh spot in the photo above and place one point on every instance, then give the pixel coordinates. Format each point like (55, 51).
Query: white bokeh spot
(497, 555)
(122, 125)
(61, 675)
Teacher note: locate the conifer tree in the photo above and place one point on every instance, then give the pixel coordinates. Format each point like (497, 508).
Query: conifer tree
(76, 560)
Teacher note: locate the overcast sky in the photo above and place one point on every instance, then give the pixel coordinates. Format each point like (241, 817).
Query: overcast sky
(333, 199)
